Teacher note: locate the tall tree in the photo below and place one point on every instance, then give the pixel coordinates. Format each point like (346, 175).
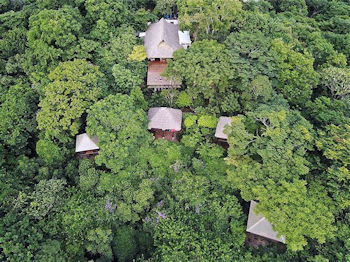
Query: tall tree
(334, 143)
(121, 128)
(206, 18)
(104, 16)
(295, 73)
(297, 7)
(74, 87)
(17, 114)
(52, 37)
(337, 80)
(296, 212)
(325, 111)
(269, 144)
(199, 223)
(115, 54)
(165, 6)
(268, 158)
(250, 55)
(203, 68)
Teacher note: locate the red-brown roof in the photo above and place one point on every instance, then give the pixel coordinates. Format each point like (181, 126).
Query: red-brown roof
(154, 78)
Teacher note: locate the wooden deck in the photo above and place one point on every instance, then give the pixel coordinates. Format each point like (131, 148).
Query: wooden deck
(154, 78)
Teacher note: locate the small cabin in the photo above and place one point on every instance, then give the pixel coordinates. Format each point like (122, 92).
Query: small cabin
(165, 122)
(222, 129)
(86, 147)
(259, 231)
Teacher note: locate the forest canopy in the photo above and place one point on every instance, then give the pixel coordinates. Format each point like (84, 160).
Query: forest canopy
(278, 70)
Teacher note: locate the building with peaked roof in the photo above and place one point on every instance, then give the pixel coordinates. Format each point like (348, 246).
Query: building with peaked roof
(165, 118)
(258, 225)
(161, 40)
(85, 146)
(220, 132)
(165, 122)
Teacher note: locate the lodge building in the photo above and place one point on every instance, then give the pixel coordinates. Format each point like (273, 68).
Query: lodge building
(165, 122)
(161, 40)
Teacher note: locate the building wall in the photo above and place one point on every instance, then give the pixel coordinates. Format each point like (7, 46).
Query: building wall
(87, 154)
(165, 134)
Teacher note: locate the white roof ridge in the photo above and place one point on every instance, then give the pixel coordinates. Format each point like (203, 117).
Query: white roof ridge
(163, 37)
(258, 222)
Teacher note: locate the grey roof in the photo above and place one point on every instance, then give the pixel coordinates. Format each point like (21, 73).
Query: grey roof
(84, 143)
(164, 118)
(259, 225)
(220, 128)
(161, 40)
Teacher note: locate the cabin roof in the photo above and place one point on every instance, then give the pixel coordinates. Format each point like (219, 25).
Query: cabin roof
(161, 40)
(220, 128)
(84, 143)
(258, 225)
(164, 118)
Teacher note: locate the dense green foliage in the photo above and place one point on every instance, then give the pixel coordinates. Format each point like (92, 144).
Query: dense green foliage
(279, 69)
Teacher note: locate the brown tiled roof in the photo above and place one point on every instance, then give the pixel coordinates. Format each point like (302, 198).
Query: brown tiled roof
(154, 78)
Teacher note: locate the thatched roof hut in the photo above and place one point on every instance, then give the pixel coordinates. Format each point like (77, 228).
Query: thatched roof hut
(165, 118)
(161, 40)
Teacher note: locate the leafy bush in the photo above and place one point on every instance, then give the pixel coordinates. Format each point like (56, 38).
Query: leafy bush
(183, 100)
(207, 121)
